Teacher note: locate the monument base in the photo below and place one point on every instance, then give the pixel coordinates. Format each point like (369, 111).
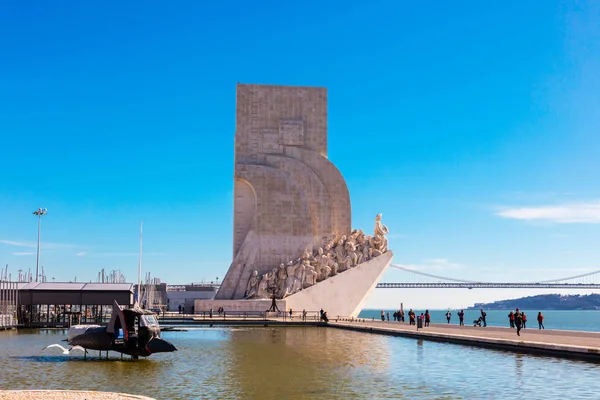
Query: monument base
(342, 295)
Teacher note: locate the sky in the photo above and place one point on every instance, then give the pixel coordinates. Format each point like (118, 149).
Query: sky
(473, 128)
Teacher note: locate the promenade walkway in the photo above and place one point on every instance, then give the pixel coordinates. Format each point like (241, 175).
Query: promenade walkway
(558, 343)
(532, 340)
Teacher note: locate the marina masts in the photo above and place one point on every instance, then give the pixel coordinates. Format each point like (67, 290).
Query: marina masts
(139, 289)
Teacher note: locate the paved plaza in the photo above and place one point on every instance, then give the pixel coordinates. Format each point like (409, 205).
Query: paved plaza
(558, 342)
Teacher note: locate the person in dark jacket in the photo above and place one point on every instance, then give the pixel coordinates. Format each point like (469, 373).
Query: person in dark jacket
(518, 321)
(461, 318)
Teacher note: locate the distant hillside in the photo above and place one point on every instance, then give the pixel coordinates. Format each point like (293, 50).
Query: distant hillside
(545, 302)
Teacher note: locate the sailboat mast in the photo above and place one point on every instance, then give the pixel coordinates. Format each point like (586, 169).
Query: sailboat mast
(139, 291)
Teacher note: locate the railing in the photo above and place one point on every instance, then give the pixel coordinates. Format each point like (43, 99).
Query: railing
(235, 316)
(488, 285)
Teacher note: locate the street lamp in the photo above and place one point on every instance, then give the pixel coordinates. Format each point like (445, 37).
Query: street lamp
(39, 212)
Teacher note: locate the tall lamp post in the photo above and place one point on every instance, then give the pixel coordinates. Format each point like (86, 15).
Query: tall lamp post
(39, 212)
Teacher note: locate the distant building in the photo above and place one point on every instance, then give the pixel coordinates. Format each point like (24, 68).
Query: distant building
(185, 295)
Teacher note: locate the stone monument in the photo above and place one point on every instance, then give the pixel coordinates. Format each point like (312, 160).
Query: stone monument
(292, 217)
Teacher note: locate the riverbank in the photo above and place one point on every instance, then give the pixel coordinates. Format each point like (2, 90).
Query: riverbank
(66, 395)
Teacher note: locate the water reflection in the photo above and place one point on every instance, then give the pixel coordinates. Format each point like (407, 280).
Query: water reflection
(519, 368)
(295, 363)
(303, 361)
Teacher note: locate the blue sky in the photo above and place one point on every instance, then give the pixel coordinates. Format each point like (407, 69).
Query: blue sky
(472, 127)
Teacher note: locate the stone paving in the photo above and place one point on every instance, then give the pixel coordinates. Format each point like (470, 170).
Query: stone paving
(575, 342)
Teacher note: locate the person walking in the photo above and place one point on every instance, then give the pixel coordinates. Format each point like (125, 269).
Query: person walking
(388, 316)
(511, 319)
(461, 318)
(518, 321)
(304, 315)
(382, 315)
(483, 315)
(524, 318)
(411, 317)
(540, 319)
(448, 316)
(427, 318)
(291, 314)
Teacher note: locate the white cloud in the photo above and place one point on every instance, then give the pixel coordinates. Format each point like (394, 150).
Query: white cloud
(125, 254)
(434, 264)
(24, 253)
(18, 244)
(44, 245)
(582, 213)
(81, 254)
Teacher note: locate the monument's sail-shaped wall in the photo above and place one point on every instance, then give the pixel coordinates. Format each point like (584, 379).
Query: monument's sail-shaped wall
(288, 196)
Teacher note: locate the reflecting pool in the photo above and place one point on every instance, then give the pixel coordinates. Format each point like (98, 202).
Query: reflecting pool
(295, 363)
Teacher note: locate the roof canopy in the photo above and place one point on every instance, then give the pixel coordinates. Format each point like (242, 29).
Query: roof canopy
(74, 286)
(32, 293)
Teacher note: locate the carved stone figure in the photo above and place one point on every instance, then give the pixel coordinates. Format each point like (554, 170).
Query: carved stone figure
(298, 280)
(310, 276)
(281, 281)
(307, 255)
(252, 286)
(331, 257)
(351, 256)
(323, 269)
(380, 228)
(360, 244)
(263, 286)
(340, 251)
(366, 249)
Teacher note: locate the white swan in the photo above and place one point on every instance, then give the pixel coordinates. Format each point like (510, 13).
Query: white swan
(65, 350)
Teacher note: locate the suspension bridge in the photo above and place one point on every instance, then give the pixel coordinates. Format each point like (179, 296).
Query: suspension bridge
(589, 280)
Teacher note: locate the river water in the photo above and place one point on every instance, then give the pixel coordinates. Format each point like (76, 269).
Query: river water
(578, 320)
(296, 363)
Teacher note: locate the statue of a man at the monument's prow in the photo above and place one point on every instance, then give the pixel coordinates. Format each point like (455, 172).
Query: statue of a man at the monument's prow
(380, 228)
(379, 242)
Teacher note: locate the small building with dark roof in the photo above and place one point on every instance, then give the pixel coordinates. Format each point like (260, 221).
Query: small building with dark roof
(64, 303)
